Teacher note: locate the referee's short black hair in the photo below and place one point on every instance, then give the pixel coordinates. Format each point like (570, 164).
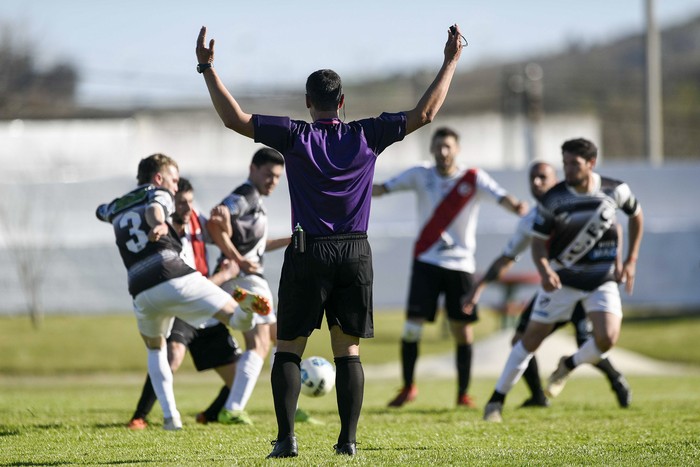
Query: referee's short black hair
(324, 89)
(267, 156)
(581, 147)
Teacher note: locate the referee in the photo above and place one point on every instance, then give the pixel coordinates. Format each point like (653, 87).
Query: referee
(328, 266)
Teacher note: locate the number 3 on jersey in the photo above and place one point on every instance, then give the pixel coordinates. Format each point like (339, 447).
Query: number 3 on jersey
(139, 238)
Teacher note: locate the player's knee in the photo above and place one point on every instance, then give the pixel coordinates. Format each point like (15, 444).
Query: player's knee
(605, 342)
(153, 343)
(412, 332)
(176, 354)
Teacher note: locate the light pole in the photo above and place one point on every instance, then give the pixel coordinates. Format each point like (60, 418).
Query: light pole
(654, 112)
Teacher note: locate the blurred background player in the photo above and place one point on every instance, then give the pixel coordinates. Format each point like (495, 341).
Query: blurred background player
(542, 177)
(245, 244)
(575, 249)
(211, 346)
(448, 197)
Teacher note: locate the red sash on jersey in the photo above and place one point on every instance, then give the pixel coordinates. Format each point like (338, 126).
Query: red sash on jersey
(198, 247)
(446, 211)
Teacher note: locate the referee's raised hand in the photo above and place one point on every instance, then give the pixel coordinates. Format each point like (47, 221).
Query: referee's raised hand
(204, 54)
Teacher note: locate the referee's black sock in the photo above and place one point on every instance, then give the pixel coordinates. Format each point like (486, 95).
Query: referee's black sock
(409, 356)
(349, 390)
(464, 367)
(286, 385)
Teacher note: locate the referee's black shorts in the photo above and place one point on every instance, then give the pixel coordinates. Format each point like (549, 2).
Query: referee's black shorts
(428, 282)
(334, 275)
(210, 347)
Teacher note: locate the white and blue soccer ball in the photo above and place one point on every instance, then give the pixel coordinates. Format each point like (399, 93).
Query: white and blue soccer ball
(317, 376)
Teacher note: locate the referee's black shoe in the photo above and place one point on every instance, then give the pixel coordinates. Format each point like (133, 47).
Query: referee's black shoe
(347, 449)
(286, 447)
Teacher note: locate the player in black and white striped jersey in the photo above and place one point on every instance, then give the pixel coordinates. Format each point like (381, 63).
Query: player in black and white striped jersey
(575, 251)
(542, 178)
(161, 283)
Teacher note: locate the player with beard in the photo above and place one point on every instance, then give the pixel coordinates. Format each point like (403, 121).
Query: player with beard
(575, 249)
(542, 177)
(245, 244)
(449, 197)
(211, 346)
(162, 284)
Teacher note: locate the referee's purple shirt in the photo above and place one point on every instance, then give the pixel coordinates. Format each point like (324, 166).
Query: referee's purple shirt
(330, 167)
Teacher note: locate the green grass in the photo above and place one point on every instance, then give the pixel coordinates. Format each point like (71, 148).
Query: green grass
(81, 422)
(89, 343)
(67, 390)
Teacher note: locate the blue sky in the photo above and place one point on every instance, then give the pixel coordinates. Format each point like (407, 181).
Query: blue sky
(142, 51)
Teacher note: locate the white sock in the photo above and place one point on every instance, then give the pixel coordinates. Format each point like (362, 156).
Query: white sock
(248, 369)
(516, 365)
(241, 320)
(162, 381)
(588, 353)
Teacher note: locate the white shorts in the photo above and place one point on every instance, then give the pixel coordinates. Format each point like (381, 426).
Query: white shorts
(192, 298)
(556, 306)
(257, 285)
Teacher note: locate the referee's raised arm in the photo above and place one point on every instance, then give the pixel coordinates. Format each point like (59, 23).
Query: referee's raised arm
(225, 104)
(428, 106)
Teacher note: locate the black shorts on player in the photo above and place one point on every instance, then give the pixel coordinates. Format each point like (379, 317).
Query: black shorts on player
(334, 275)
(209, 347)
(428, 282)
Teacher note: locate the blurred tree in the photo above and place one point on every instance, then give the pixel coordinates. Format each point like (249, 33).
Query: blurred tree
(26, 90)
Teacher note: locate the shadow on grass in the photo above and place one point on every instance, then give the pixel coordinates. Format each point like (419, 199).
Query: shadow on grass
(111, 425)
(412, 411)
(5, 431)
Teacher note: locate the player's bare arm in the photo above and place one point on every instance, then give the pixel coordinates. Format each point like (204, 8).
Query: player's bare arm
(228, 270)
(220, 214)
(222, 239)
(277, 243)
(155, 216)
(230, 112)
(379, 190)
(629, 269)
(429, 105)
(514, 205)
(494, 272)
(550, 278)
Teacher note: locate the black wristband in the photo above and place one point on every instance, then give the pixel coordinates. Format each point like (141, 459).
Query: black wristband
(203, 66)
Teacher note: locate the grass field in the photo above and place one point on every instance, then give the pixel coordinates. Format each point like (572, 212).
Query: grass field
(67, 390)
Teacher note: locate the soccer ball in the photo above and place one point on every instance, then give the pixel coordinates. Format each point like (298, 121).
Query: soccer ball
(317, 376)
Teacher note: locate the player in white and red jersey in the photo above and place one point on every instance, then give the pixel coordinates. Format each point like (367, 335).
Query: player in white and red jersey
(448, 198)
(161, 283)
(575, 248)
